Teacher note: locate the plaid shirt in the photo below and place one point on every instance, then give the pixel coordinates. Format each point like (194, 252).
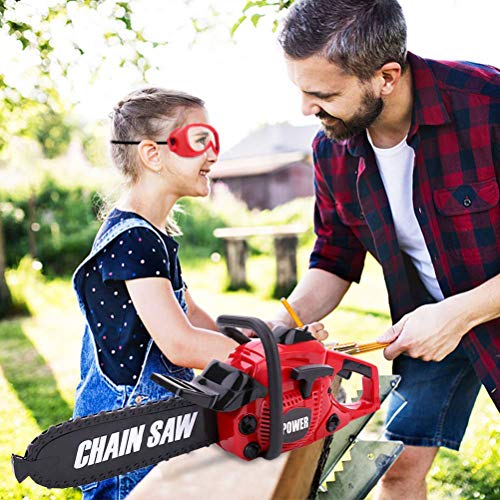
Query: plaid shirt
(455, 133)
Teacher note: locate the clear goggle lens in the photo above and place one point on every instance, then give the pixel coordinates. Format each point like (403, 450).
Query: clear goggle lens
(200, 137)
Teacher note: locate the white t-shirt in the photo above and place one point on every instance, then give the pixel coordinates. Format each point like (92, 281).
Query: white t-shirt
(396, 169)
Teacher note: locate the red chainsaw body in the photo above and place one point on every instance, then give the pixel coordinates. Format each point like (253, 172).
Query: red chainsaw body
(305, 419)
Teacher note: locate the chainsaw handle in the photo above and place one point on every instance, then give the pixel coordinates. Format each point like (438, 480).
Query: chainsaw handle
(235, 334)
(274, 381)
(344, 365)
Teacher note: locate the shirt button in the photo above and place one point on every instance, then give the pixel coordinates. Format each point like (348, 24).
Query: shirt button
(138, 400)
(355, 172)
(420, 210)
(361, 217)
(467, 202)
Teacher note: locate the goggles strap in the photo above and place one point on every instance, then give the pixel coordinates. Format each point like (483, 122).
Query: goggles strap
(134, 142)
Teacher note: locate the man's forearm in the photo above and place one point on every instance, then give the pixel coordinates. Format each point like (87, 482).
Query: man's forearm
(481, 304)
(315, 296)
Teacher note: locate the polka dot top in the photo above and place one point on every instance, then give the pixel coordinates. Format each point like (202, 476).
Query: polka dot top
(121, 337)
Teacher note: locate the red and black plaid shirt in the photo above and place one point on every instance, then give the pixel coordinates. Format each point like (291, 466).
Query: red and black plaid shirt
(455, 132)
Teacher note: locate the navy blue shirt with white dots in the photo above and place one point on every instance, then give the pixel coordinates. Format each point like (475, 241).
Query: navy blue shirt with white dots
(119, 333)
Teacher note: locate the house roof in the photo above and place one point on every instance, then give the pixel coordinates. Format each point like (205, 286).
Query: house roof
(273, 139)
(265, 150)
(256, 165)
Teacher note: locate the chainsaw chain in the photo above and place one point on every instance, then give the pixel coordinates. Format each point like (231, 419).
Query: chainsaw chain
(313, 492)
(71, 425)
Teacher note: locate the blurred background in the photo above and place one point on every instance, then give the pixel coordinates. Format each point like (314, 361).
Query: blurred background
(63, 66)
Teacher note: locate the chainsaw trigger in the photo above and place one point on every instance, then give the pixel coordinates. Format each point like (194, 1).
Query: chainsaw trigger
(307, 374)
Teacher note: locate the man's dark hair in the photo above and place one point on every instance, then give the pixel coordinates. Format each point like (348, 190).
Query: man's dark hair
(360, 36)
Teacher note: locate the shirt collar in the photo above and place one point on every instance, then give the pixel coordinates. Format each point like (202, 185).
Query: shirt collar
(428, 104)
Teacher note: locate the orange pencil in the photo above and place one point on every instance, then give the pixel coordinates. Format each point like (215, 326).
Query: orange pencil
(292, 313)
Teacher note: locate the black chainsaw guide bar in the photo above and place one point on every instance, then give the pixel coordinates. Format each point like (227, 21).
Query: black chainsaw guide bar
(54, 446)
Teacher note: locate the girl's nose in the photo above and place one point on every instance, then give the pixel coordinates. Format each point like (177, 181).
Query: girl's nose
(211, 154)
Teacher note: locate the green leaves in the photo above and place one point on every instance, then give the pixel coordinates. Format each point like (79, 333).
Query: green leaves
(34, 25)
(237, 24)
(255, 19)
(261, 8)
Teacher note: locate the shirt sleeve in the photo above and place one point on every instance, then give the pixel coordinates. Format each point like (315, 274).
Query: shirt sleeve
(136, 253)
(337, 249)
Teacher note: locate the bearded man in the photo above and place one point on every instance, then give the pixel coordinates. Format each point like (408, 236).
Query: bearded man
(406, 167)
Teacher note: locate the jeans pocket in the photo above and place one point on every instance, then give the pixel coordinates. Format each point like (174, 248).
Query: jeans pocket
(88, 487)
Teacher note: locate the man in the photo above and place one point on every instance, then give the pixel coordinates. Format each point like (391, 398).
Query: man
(406, 167)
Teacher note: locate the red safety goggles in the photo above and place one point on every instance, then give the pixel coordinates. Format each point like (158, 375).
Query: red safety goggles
(189, 141)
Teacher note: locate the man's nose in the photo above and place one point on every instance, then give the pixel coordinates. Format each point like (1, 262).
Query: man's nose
(309, 107)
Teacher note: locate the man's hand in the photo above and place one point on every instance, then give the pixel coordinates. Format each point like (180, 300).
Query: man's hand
(430, 332)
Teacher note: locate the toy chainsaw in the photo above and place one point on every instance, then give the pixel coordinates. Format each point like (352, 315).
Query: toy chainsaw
(273, 394)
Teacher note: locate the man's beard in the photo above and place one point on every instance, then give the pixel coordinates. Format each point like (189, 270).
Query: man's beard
(341, 130)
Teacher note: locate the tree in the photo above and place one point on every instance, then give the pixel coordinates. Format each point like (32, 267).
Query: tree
(5, 296)
(36, 110)
(28, 26)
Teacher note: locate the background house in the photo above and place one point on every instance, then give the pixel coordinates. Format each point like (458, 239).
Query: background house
(269, 167)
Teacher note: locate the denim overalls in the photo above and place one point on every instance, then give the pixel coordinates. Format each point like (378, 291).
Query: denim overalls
(96, 392)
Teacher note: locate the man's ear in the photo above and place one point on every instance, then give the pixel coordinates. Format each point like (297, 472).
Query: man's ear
(387, 77)
(149, 153)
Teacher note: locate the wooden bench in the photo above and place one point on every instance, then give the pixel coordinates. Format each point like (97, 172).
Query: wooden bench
(285, 248)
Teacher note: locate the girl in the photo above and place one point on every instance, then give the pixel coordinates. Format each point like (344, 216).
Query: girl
(140, 317)
(130, 288)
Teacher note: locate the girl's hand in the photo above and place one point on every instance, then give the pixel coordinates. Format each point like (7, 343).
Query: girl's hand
(317, 330)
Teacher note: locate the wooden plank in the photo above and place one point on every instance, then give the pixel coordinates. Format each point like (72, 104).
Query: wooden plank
(211, 474)
(246, 232)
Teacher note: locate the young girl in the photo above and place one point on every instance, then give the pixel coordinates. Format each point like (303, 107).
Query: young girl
(130, 287)
(140, 317)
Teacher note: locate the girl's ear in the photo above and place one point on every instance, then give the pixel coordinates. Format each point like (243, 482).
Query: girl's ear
(149, 153)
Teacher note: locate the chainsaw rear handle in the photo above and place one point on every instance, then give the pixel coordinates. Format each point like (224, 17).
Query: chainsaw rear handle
(275, 386)
(369, 373)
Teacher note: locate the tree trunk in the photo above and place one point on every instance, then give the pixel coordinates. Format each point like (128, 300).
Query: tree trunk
(5, 296)
(31, 224)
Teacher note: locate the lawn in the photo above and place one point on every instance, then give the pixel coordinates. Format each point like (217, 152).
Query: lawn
(39, 369)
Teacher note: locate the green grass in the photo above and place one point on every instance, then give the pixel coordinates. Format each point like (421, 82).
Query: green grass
(39, 364)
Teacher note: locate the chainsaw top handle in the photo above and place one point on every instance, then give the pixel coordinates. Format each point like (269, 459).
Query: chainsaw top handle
(275, 386)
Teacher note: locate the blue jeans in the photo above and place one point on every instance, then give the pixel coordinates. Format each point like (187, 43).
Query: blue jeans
(115, 488)
(440, 397)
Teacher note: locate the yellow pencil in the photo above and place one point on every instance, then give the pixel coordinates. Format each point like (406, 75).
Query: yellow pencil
(292, 313)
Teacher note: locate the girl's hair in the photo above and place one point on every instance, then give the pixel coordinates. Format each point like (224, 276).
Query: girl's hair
(147, 113)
